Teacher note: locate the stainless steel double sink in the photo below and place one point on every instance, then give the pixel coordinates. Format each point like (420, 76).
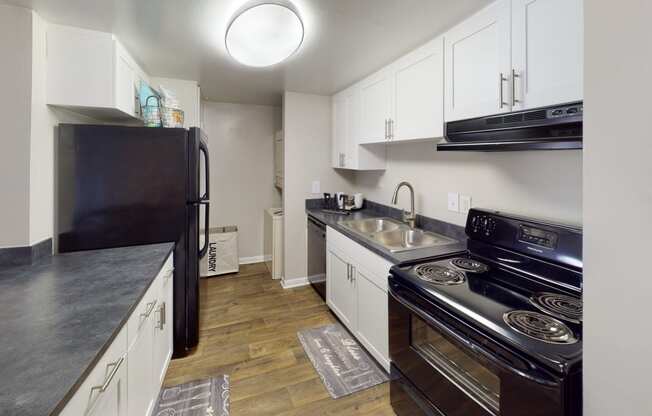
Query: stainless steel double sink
(394, 235)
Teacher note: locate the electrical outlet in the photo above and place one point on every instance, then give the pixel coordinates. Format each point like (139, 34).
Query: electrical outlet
(465, 203)
(316, 186)
(454, 202)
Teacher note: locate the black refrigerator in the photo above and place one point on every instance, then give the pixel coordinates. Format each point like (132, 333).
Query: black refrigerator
(122, 186)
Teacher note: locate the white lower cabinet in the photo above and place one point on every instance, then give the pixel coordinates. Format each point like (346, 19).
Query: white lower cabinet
(140, 354)
(128, 377)
(163, 329)
(356, 291)
(104, 391)
(340, 287)
(372, 328)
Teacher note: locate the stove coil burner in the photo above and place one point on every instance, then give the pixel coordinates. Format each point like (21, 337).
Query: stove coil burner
(439, 275)
(564, 307)
(469, 265)
(540, 327)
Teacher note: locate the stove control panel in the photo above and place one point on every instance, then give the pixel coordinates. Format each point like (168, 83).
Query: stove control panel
(483, 224)
(540, 238)
(537, 236)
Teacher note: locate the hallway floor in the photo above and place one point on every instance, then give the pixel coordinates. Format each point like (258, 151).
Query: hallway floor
(248, 327)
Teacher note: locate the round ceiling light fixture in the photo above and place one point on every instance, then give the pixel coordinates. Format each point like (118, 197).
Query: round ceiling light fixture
(264, 33)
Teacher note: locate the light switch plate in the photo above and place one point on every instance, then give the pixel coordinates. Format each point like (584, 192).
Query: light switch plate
(465, 203)
(454, 202)
(316, 187)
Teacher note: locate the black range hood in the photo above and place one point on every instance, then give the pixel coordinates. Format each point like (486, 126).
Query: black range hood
(556, 127)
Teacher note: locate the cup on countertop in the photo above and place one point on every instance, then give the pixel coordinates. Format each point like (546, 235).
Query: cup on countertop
(358, 200)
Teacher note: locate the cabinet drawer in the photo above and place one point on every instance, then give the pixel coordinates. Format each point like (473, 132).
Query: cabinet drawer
(147, 305)
(102, 374)
(167, 272)
(377, 267)
(145, 308)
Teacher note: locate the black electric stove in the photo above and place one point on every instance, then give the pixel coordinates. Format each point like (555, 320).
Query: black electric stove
(495, 331)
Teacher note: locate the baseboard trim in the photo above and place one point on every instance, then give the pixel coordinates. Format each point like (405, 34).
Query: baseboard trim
(251, 260)
(296, 282)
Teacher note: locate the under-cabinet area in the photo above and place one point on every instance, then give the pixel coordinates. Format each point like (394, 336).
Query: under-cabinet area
(311, 207)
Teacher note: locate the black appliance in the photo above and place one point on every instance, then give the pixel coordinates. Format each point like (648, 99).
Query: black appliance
(123, 186)
(317, 256)
(496, 331)
(556, 127)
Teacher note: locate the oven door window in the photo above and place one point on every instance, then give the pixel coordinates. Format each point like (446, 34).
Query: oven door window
(465, 371)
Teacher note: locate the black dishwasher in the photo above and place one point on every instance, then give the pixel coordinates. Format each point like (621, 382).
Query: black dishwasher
(317, 256)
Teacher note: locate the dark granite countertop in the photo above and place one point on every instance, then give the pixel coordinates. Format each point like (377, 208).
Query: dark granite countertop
(374, 210)
(59, 315)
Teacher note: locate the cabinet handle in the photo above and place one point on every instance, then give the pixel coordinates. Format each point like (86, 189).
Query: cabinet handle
(352, 274)
(501, 80)
(386, 130)
(514, 76)
(149, 309)
(348, 272)
(161, 316)
(391, 129)
(114, 369)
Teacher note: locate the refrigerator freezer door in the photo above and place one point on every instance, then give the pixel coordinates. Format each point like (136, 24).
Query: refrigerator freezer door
(119, 186)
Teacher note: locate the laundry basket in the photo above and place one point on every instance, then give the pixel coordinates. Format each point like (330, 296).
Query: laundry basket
(222, 254)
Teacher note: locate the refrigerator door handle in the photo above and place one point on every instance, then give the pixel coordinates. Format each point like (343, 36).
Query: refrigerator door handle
(204, 249)
(203, 148)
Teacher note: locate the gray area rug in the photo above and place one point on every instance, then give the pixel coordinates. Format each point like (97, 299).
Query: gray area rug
(342, 364)
(207, 397)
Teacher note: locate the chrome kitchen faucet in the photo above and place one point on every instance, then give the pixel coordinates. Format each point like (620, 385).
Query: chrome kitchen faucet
(409, 218)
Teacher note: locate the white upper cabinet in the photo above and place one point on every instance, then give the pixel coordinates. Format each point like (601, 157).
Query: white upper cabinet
(346, 124)
(477, 56)
(376, 107)
(339, 130)
(515, 55)
(92, 73)
(418, 94)
(547, 52)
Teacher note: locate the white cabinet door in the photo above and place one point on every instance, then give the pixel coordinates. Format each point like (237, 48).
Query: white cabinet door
(125, 85)
(162, 322)
(339, 130)
(80, 66)
(113, 400)
(340, 293)
(478, 58)
(140, 360)
(376, 108)
(110, 371)
(372, 327)
(351, 146)
(547, 52)
(419, 94)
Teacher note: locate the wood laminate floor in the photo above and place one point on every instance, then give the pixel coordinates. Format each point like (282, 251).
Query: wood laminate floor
(248, 327)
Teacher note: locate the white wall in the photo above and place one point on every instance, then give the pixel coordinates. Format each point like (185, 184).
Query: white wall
(540, 184)
(617, 208)
(41, 167)
(15, 87)
(307, 128)
(241, 144)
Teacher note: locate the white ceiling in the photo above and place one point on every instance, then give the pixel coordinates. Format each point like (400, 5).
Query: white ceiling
(345, 40)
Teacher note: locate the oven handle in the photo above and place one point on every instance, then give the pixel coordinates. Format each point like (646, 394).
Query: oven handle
(498, 361)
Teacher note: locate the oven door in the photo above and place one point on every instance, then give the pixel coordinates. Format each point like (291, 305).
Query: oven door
(460, 371)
